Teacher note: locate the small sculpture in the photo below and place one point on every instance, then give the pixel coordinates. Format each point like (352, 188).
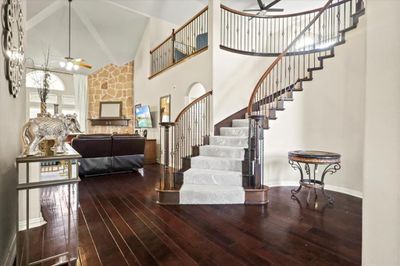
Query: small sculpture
(40, 128)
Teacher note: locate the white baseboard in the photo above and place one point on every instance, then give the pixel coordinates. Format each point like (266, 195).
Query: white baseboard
(351, 192)
(34, 222)
(11, 252)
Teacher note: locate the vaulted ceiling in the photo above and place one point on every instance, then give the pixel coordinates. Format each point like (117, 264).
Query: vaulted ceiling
(109, 31)
(103, 31)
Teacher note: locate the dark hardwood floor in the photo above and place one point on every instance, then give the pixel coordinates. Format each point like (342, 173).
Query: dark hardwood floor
(119, 224)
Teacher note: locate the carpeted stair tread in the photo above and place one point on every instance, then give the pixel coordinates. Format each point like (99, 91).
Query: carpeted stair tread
(234, 131)
(222, 151)
(195, 176)
(211, 194)
(229, 141)
(240, 123)
(216, 163)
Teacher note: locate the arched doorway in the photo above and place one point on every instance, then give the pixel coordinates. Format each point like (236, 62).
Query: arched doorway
(195, 91)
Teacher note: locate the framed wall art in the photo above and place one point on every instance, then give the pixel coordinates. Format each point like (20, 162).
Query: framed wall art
(165, 109)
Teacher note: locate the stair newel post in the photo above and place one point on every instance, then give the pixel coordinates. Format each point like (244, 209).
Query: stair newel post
(256, 149)
(173, 46)
(167, 179)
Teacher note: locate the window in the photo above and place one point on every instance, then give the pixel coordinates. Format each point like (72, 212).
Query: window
(35, 78)
(61, 93)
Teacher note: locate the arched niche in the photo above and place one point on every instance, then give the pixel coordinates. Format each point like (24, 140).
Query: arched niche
(195, 91)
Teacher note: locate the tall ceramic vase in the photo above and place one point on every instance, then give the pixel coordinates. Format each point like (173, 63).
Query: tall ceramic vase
(43, 108)
(44, 91)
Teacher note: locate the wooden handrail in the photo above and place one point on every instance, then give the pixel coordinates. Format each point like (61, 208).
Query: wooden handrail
(192, 104)
(279, 58)
(179, 29)
(192, 19)
(158, 46)
(281, 16)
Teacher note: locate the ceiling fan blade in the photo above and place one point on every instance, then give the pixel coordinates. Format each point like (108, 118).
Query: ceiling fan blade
(85, 65)
(271, 4)
(275, 10)
(252, 10)
(261, 4)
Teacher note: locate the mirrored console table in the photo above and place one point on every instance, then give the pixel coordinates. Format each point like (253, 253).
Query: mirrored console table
(47, 216)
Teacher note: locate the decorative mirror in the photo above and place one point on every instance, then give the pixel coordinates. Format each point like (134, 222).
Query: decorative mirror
(110, 109)
(13, 44)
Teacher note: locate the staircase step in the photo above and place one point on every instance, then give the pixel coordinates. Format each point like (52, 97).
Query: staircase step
(215, 163)
(240, 123)
(229, 141)
(280, 105)
(272, 114)
(222, 151)
(206, 194)
(196, 176)
(234, 131)
(298, 86)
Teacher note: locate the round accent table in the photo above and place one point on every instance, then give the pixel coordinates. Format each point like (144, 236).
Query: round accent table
(311, 160)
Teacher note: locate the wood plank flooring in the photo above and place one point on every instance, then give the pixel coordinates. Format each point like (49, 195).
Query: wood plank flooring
(119, 224)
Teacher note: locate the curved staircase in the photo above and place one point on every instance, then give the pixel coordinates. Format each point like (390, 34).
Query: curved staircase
(227, 168)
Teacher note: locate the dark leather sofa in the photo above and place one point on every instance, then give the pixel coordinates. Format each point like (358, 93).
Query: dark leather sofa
(106, 154)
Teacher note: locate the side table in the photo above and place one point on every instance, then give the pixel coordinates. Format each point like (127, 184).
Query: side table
(328, 160)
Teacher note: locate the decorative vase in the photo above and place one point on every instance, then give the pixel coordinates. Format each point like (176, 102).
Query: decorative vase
(43, 108)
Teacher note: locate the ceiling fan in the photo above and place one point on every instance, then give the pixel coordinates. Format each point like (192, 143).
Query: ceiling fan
(71, 63)
(265, 8)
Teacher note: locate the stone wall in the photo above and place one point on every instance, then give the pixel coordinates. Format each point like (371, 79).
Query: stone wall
(111, 83)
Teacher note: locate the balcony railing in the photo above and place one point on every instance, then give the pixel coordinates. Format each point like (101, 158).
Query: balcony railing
(270, 35)
(182, 138)
(183, 43)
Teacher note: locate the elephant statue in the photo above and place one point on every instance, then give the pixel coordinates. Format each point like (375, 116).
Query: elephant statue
(40, 128)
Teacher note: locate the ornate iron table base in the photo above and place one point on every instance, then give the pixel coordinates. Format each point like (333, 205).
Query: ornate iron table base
(331, 163)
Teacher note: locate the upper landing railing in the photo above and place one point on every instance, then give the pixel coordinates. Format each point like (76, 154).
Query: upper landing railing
(184, 42)
(270, 35)
(304, 54)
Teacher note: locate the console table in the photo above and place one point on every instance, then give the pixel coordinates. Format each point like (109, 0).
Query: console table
(47, 205)
(328, 160)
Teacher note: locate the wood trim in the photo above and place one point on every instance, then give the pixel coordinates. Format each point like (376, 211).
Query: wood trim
(279, 58)
(179, 29)
(241, 13)
(167, 197)
(161, 44)
(232, 50)
(180, 61)
(191, 104)
(256, 196)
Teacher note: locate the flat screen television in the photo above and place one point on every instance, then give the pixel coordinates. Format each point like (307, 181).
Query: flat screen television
(143, 116)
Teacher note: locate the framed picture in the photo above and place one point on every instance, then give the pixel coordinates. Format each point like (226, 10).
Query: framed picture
(165, 109)
(110, 109)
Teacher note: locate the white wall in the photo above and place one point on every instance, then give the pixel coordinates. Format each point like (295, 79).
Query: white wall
(327, 115)
(175, 81)
(13, 117)
(234, 75)
(381, 210)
